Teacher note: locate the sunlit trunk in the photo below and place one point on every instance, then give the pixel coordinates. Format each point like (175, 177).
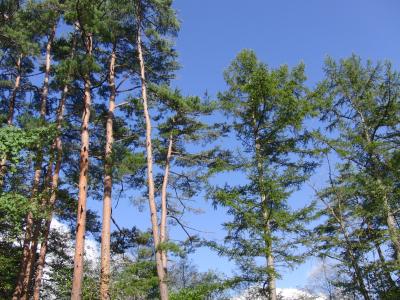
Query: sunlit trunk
(53, 195)
(150, 180)
(31, 234)
(164, 209)
(107, 200)
(271, 278)
(76, 293)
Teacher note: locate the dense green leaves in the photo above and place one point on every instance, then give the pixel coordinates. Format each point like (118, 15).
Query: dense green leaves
(249, 151)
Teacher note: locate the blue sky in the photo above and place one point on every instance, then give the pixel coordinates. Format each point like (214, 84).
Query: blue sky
(280, 32)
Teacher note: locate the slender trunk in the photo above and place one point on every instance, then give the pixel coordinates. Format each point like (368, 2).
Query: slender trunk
(150, 180)
(107, 200)
(271, 279)
(358, 273)
(163, 223)
(19, 289)
(38, 167)
(38, 222)
(76, 293)
(388, 214)
(31, 236)
(53, 196)
(353, 257)
(57, 147)
(10, 116)
(386, 272)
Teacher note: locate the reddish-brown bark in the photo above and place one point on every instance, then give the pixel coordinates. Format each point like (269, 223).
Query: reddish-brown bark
(53, 194)
(31, 234)
(76, 293)
(107, 200)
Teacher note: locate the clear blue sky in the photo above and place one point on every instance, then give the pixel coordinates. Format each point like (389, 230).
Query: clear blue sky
(281, 32)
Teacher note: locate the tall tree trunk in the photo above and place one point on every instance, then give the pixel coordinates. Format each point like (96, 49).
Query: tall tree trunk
(387, 211)
(150, 180)
(76, 293)
(386, 272)
(107, 200)
(54, 181)
(31, 235)
(163, 223)
(271, 279)
(10, 116)
(53, 196)
(38, 168)
(354, 260)
(271, 266)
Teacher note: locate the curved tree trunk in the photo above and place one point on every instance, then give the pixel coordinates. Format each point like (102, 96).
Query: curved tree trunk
(164, 209)
(150, 180)
(107, 200)
(358, 274)
(76, 293)
(31, 234)
(57, 147)
(54, 186)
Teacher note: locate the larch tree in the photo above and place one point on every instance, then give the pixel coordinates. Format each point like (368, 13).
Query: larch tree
(267, 109)
(359, 109)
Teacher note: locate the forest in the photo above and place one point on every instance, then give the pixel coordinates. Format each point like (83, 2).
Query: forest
(91, 113)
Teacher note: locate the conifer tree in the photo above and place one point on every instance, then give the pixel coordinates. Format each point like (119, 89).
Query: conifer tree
(87, 16)
(49, 12)
(268, 109)
(18, 44)
(146, 12)
(64, 77)
(360, 111)
(119, 20)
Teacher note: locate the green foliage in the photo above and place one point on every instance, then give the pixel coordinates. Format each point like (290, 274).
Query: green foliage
(267, 109)
(200, 292)
(360, 109)
(14, 140)
(266, 115)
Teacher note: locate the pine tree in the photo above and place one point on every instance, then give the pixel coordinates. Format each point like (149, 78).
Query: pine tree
(118, 20)
(160, 11)
(18, 44)
(47, 11)
(86, 15)
(64, 77)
